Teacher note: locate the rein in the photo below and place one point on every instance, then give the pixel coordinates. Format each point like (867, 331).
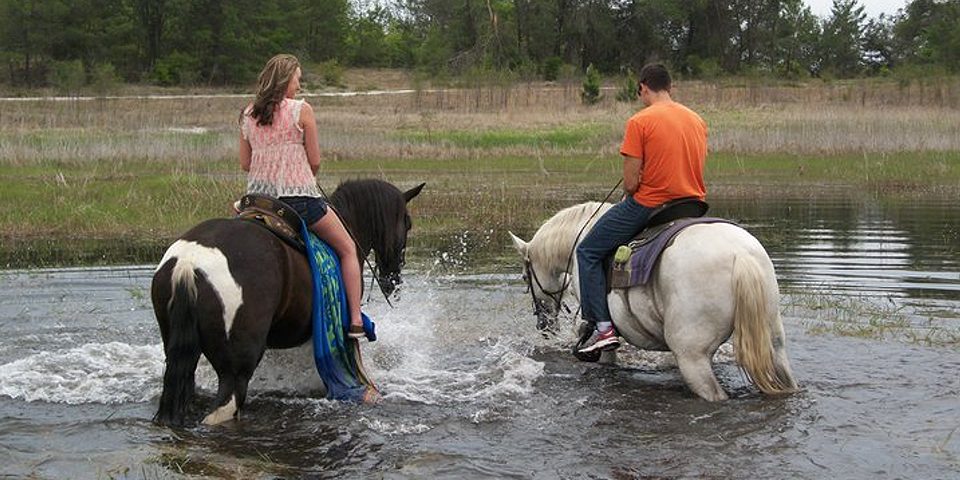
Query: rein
(557, 295)
(356, 243)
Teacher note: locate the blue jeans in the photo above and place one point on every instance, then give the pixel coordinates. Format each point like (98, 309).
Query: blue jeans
(616, 227)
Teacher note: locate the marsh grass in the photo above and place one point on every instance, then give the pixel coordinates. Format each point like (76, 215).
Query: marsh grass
(114, 180)
(181, 463)
(869, 318)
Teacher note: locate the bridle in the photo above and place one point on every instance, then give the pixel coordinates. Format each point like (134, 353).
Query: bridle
(530, 274)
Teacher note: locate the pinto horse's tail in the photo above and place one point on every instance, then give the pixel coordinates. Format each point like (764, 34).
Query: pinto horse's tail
(758, 332)
(182, 349)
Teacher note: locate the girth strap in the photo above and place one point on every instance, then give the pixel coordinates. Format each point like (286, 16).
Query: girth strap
(275, 215)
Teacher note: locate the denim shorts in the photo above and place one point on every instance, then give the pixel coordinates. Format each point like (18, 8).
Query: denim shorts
(310, 209)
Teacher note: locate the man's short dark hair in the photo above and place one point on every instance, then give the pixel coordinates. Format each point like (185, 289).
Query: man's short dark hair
(655, 76)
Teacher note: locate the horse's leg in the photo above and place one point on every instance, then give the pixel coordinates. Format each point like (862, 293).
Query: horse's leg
(697, 371)
(233, 354)
(235, 363)
(694, 341)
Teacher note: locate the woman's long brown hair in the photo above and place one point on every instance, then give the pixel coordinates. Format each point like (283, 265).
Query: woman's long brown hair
(272, 86)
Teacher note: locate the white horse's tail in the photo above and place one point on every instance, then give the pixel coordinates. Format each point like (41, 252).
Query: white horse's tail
(758, 335)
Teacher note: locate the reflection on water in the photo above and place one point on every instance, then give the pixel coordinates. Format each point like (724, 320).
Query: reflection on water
(903, 255)
(852, 246)
(837, 243)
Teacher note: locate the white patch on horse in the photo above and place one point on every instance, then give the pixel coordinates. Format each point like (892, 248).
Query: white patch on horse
(211, 261)
(223, 413)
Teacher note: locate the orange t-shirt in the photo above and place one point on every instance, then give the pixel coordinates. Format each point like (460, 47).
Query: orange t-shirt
(671, 140)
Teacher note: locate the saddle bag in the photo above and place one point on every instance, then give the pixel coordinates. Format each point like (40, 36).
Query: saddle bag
(633, 263)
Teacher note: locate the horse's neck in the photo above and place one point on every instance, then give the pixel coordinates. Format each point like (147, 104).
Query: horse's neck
(564, 266)
(566, 232)
(351, 221)
(561, 251)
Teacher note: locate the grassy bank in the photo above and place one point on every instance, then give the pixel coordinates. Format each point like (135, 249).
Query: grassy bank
(114, 181)
(105, 211)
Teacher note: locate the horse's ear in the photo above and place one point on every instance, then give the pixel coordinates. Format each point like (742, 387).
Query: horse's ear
(519, 244)
(413, 192)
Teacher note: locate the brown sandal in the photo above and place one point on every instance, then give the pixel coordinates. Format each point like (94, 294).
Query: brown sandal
(356, 332)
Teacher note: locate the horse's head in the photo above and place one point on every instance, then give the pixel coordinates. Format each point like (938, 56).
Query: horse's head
(376, 212)
(391, 257)
(545, 284)
(391, 254)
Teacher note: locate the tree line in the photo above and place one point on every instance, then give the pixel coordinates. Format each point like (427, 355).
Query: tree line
(73, 43)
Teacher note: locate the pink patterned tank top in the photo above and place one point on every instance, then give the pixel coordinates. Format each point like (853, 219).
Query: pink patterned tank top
(279, 166)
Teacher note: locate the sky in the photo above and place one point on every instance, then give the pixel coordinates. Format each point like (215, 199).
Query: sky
(873, 8)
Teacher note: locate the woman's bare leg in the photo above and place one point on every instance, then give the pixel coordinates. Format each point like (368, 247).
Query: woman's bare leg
(331, 230)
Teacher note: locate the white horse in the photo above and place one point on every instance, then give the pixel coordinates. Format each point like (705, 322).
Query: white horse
(713, 281)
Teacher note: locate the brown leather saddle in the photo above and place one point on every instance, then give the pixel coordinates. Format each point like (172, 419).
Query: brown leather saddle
(274, 215)
(660, 217)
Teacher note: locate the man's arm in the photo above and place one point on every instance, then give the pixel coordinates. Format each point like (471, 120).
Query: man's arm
(632, 166)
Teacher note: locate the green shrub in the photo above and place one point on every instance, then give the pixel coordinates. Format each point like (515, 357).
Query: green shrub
(104, 80)
(703, 67)
(628, 88)
(332, 73)
(176, 69)
(591, 86)
(551, 68)
(68, 78)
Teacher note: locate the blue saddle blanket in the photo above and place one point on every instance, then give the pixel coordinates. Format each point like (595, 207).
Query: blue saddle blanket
(336, 356)
(637, 267)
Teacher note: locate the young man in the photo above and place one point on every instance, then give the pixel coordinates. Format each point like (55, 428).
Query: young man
(664, 150)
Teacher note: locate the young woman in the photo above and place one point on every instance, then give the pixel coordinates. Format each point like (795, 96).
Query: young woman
(279, 149)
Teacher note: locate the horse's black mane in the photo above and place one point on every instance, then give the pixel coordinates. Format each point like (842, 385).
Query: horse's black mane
(371, 209)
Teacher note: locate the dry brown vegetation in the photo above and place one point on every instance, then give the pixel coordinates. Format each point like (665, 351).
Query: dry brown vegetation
(144, 169)
(820, 119)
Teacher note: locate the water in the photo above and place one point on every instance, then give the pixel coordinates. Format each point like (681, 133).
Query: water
(472, 391)
(851, 262)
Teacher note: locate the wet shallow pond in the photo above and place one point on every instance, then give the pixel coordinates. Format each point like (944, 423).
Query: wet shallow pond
(872, 294)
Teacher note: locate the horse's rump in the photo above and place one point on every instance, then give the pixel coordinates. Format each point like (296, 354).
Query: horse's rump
(251, 272)
(633, 264)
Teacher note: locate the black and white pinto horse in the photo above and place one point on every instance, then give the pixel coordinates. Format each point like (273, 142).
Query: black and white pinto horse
(230, 289)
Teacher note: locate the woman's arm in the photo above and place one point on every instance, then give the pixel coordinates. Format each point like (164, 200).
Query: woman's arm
(310, 140)
(246, 152)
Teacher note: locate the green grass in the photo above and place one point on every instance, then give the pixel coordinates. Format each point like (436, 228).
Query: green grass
(557, 137)
(116, 182)
(102, 211)
(852, 316)
(907, 169)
